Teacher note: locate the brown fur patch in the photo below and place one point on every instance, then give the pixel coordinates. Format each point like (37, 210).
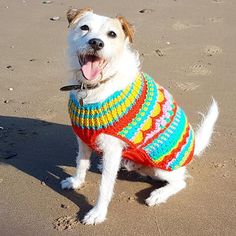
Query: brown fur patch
(74, 14)
(127, 28)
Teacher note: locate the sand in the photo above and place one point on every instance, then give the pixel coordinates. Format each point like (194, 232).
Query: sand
(188, 46)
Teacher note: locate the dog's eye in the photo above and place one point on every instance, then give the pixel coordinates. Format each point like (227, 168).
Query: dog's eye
(111, 34)
(84, 28)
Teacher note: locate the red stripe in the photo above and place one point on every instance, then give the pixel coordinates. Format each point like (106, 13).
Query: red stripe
(174, 152)
(190, 157)
(127, 118)
(89, 135)
(157, 117)
(168, 158)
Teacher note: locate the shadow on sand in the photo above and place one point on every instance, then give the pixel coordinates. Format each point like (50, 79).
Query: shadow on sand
(39, 148)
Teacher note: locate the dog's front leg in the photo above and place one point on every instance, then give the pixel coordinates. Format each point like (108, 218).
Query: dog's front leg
(83, 163)
(112, 151)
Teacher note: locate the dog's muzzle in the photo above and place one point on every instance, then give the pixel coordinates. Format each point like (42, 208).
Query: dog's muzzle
(96, 44)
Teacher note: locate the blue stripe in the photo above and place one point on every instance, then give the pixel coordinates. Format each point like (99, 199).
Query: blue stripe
(176, 162)
(166, 141)
(101, 113)
(98, 105)
(133, 129)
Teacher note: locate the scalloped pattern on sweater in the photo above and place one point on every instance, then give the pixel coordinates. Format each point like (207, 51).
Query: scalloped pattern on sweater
(146, 117)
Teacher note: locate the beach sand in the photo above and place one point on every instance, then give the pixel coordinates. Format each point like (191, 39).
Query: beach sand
(188, 46)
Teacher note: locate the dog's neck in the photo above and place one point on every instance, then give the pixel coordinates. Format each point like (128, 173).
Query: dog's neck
(126, 73)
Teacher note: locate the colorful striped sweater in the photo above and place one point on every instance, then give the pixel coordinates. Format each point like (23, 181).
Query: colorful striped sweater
(143, 115)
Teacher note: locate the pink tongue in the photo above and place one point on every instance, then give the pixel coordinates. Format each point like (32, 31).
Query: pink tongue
(91, 69)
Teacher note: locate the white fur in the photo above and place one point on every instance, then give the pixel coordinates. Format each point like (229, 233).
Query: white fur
(125, 64)
(111, 164)
(122, 61)
(205, 129)
(83, 164)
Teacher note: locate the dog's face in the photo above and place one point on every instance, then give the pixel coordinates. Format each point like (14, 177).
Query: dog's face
(96, 44)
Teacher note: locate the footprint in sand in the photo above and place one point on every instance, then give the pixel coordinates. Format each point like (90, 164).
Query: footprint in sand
(199, 69)
(217, 1)
(186, 86)
(183, 26)
(65, 222)
(212, 50)
(216, 19)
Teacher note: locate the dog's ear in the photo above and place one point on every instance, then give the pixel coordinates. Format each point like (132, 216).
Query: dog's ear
(74, 14)
(127, 28)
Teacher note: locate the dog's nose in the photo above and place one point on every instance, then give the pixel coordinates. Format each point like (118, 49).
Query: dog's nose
(96, 44)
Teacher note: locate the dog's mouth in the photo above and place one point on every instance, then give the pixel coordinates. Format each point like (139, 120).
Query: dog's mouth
(91, 66)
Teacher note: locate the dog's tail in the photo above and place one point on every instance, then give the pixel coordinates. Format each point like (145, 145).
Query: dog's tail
(205, 129)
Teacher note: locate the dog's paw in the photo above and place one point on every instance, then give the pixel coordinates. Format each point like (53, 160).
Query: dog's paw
(71, 183)
(95, 216)
(156, 197)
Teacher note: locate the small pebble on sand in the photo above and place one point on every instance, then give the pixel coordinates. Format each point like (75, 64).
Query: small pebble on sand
(10, 67)
(146, 11)
(64, 206)
(47, 2)
(7, 101)
(159, 52)
(55, 18)
(130, 199)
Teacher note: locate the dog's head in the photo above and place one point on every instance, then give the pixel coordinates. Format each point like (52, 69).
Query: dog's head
(97, 44)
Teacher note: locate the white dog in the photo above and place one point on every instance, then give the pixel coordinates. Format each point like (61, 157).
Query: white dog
(109, 99)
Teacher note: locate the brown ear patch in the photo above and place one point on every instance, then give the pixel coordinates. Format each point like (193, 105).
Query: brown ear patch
(127, 28)
(74, 14)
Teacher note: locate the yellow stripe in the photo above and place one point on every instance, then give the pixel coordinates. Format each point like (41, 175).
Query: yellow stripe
(157, 108)
(138, 137)
(112, 114)
(148, 123)
(156, 111)
(160, 96)
(137, 86)
(187, 153)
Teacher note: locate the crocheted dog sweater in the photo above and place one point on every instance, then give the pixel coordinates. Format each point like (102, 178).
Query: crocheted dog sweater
(143, 115)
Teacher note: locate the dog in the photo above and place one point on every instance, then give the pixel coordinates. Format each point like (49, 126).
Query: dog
(122, 114)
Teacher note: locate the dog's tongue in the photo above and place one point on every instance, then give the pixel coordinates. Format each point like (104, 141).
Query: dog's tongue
(91, 69)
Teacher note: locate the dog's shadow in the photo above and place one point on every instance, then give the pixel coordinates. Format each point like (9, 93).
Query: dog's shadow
(40, 148)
